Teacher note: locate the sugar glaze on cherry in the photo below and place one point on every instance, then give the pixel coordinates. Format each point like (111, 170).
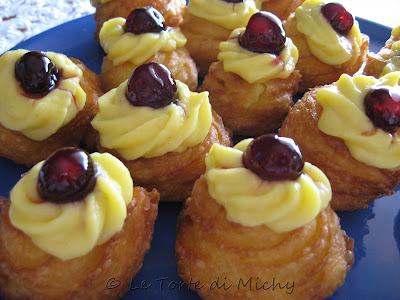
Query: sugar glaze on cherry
(145, 20)
(68, 175)
(382, 106)
(37, 74)
(274, 158)
(151, 85)
(264, 34)
(340, 19)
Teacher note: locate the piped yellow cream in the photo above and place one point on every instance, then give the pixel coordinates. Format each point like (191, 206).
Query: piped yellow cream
(39, 118)
(71, 230)
(343, 116)
(122, 46)
(139, 131)
(225, 14)
(396, 32)
(324, 42)
(257, 67)
(250, 201)
(393, 59)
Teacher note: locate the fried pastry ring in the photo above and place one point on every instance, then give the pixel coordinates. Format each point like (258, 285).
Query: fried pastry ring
(229, 96)
(354, 184)
(314, 72)
(203, 39)
(377, 61)
(26, 272)
(173, 174)
(178, 62)
(281, 8)
(316, 257)
(172, 10)
(24, 150)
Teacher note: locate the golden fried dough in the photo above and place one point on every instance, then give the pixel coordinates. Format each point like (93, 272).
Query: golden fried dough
(281, 8)
(315, 258)
(354, 184)
(26, 272)
(314, 72)
(178, 62)
(377, 61)
(171, 10)
(393, 38)
(24, 150)
(173, 174)
(203, 38)
(243, 109)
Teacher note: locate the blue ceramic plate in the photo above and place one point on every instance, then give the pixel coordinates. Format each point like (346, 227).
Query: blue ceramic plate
(376, 230)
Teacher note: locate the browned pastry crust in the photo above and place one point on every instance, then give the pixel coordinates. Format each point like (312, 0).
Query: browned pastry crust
(172, 10)
(243, 111)
(173, 174)
(377, 61)
(314, 72)
(281, 8)
(354, 184)
(203, 39)
(23, 150)
(316, 257)
(26, 272)
(178, 62)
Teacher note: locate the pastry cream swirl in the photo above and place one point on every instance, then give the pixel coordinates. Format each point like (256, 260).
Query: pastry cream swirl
(396, 32)
(225, 14)
(122, 46)
(324, 42)
(73, 229)
(344, 117)
(250, 201)
(393, 58)
(257, 67)
(139, 131)
(39, 118)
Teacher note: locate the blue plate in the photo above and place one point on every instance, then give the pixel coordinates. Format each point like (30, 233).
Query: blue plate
(376, 230)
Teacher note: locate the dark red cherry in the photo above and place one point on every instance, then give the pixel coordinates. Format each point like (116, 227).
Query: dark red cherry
(264, 34)
(234, 1)
(274, 158)
(37, 74)
(145, 20)
(382, 106)
(151, 85)
(340, 19)
(67, 175)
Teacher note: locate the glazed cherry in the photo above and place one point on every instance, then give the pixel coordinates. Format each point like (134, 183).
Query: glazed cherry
(151, 85)
(264, 34)
(274, 158)
(340, 19)
(145, 20)
(67, 175)
(382, 106)
(37, 74)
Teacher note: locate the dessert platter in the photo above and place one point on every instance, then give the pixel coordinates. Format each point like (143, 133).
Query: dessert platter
(227, 149)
